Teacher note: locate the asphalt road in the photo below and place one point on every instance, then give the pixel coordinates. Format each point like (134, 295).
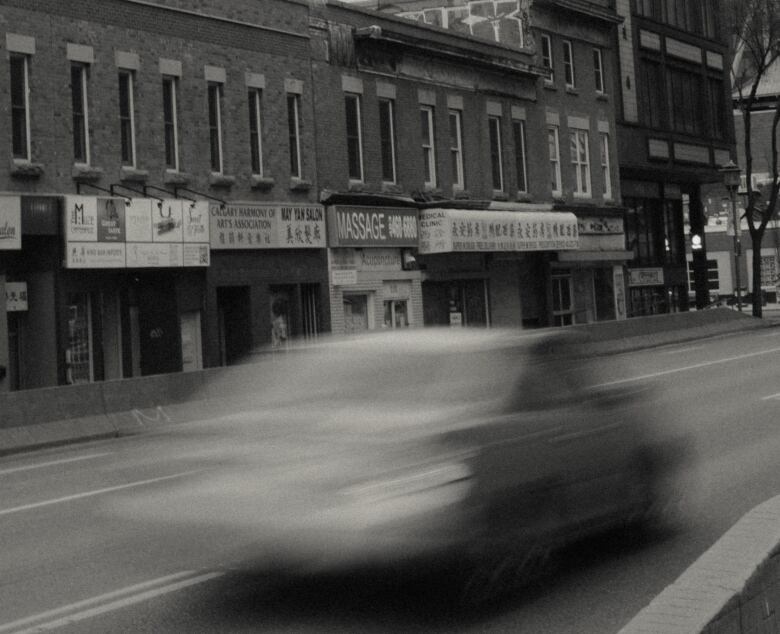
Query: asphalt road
(68, 565)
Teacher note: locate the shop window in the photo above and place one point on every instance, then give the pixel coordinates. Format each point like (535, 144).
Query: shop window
(215, 126)
(456, 148)
(170, 123)
(645, 231)
(604, 293)
(20, 107)
(310, 294)
(396, 313)
(78, 92)
(354, 138)
(191, 347)
(79, 361)
(674, 245)
(127, 117)
(427, 140)
(387, 138)
(356, 313)
(255, 131)
(293, 130)
(496, 158)
(562, 299)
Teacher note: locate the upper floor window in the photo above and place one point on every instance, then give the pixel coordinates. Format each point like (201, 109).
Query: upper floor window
(496, 160)
(170, 123)
(598, 71)
(652, 93)
(387, 139)
(456, 148)
(294, 133)
(717, 107)
(255, 131)
(568, 64)
(606, 176)
(580, 160)
(20, 107)
(555, 159)
(78, 93)
(685, 91)
(126, 118)
(427, 139)
(547, 57)
(694, 16)
(215, 126)
(354, 139)
(518, 131)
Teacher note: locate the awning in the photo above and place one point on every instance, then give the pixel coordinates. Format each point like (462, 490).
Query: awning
(470, 230)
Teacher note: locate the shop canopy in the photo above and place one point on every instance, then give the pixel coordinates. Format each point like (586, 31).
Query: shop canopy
(470, 230)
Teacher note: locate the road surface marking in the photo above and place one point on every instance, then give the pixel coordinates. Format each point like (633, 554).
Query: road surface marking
(86, 494)
(703, 364)
(68, 614)
(688, 349)
(51, 463)
(775, 333)
(770, 397)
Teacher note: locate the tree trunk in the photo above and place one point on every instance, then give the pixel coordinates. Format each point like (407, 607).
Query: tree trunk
(758, 304)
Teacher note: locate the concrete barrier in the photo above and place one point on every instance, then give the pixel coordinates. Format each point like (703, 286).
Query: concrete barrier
(733, 588)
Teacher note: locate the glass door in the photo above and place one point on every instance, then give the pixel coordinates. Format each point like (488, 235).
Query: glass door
(562, 299)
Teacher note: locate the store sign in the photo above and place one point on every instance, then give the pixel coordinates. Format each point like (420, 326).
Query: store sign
(107, 232)
(380, 260)
(600, 226)
(646, 277)
(343, 277)
(267, 226)
(10, 223)
(15, 296)
(372, 226)
(464, 230)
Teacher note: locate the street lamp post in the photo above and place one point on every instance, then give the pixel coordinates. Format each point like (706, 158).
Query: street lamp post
(731, 177)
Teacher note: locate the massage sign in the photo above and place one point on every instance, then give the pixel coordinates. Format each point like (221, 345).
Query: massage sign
(350, 226)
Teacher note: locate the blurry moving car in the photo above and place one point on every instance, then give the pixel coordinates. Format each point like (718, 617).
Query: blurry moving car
(486, 445)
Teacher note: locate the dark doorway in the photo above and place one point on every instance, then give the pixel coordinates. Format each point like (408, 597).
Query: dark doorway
(235, 323)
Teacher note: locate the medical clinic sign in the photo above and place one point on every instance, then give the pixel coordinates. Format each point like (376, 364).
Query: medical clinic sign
(110, 233)
(267, 226)
(351, 226)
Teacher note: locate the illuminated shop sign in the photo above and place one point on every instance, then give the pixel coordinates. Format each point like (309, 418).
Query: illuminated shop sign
(103, 232)
(352, 226)
(267, 226)
(10, 223)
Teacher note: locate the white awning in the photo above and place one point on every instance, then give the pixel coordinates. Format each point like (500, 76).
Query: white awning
(480, 230)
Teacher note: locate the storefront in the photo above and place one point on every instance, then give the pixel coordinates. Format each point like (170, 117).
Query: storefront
(490, 267)
(267, 281)
(13, 295)
(374, 278)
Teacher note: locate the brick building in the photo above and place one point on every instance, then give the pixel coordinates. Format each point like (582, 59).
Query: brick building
(188, 133)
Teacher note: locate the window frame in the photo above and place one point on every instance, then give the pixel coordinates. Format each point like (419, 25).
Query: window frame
(254, 102)
(17, 153)
(606, 180)
(555, 161)
(456, 151)
(583, 186)
(521, 167)
(598, 71)
(127, 123)
(387, 140)
(171, 127)
(496, 152)
(428, 146)
(354, 137)
(81, 118)
(548, 60)
(568, 65)
(215, 92)
(294, 134)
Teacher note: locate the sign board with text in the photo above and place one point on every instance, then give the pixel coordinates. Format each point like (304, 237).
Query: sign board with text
(112, 232)
(10, 223)
(267, 226)
(15, 296)
(354, 226)
(646, 277)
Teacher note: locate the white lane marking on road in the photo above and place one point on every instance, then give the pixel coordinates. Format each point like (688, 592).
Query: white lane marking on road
(703, 364)
(771, 397)
(681, 350)
(51, 463)
(116, 599)
(86, 494)
(774, 333)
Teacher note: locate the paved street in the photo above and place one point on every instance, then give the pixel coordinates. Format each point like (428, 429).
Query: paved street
(67, 564)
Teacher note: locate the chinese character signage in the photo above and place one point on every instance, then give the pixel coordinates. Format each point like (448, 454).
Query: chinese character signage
(267, 226)
(10, 223)
(461, 230)
(372, 226)
(113, 232)
(15, 296)
(646, 277)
